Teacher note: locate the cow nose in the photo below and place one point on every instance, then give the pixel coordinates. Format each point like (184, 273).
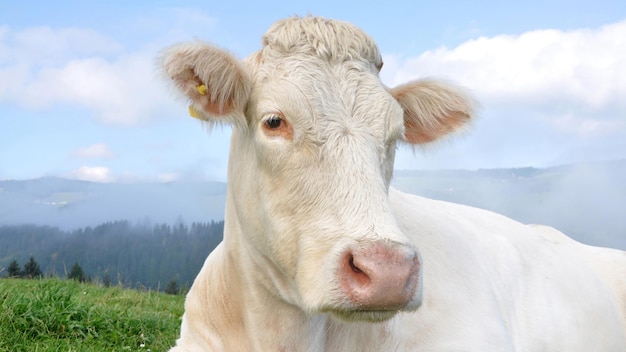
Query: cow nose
(379, 277)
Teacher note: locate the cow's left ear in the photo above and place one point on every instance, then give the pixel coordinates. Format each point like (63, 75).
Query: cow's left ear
(215, 82)
(432, 109)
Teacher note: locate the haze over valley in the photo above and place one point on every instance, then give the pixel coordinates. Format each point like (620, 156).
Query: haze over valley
(586, 201)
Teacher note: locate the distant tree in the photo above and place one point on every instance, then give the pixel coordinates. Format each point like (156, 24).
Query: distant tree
(172, 288)
(14, 269)
(106, 280)
(32, 269)
(76, 273)
(132, 255)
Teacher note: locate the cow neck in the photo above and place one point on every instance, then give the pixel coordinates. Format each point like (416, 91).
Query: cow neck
(270, 323)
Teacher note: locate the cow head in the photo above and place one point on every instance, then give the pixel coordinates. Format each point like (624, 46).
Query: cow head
(312, 152)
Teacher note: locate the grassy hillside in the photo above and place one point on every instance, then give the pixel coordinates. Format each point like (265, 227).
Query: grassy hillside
(63, 315)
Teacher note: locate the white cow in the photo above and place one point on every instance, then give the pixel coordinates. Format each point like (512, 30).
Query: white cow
(320, 254)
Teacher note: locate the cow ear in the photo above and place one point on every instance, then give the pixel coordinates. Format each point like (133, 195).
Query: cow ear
(215, 82)
(432, 109)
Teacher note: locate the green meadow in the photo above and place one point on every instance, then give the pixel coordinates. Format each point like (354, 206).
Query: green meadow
(64, 315)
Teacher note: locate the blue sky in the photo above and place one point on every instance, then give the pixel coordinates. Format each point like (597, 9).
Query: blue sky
(80, 96)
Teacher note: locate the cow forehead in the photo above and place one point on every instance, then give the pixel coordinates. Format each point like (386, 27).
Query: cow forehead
(326, 39)
(320, 96)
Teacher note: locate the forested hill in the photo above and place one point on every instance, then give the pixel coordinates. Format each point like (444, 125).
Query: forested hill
(134, 255)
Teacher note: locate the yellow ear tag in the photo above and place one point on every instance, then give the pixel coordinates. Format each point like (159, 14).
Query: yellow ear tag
(201, 88)
(194, 113)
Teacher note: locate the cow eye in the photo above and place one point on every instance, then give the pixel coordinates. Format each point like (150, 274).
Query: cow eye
(273, 122)
(276, 125)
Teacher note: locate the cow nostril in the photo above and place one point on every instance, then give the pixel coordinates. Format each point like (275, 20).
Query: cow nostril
(352, 266)
(379, 277)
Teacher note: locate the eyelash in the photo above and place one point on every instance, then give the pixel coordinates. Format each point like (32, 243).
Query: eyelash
(273, 122)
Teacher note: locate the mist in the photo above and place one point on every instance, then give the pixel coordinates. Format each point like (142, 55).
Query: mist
(586, 201)
(72, 204)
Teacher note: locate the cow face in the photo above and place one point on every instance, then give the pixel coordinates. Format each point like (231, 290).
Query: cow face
(312, 153)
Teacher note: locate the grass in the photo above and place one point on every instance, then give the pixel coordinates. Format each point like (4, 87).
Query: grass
(64, 315)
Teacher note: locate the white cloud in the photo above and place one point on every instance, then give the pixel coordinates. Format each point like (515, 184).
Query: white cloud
(43, 67)
(561, 73)
(93, 174)
(586, 127)
(168, 177)
(46, 44)
(49, 46)
(123, 92)
(95, 151)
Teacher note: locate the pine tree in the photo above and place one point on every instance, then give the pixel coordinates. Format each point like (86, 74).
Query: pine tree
(31, 269)
(76, 273)
(172, 288)
(106, 280)
(14, 269)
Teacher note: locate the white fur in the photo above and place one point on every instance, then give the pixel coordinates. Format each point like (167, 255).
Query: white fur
(299, 197)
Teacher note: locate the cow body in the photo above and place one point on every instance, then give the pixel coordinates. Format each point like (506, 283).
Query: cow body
(320, 254)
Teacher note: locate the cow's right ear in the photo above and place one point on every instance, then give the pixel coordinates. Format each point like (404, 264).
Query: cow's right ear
(215, 82)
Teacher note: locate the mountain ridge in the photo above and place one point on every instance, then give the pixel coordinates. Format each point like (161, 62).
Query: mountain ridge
(584, 200)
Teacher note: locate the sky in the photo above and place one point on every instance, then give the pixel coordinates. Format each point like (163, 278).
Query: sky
(81, 96)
